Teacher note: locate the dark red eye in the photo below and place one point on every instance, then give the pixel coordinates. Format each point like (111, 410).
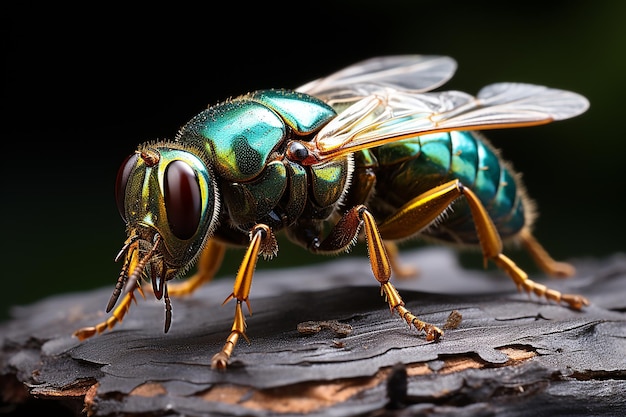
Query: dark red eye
(182, 199)
(123, 173)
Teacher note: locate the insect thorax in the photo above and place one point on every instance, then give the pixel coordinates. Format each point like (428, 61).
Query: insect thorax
(245, 141)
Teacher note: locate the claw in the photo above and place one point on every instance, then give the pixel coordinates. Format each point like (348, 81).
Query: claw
(219, 361)
(85, 333)
(433, 333)
(575, 301)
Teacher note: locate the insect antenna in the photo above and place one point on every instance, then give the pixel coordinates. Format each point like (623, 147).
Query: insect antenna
(121, 279)
(134, 277)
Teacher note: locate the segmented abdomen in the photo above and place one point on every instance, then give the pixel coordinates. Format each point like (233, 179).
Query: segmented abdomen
(412, 166)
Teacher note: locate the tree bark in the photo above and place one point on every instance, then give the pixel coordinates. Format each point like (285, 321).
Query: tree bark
(504, 353)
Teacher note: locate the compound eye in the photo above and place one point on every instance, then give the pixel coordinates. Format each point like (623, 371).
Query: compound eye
(123, 173)
(182, 199)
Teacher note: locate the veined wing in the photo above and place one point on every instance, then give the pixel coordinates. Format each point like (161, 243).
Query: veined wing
(414, 73)
(393, 115)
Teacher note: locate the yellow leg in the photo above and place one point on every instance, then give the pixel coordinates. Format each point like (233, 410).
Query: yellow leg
(400, 270)
(130, 263)
(382, 271)
(344, 233)
(210, 261)
(262, 241)
(543, 259)
(116, 317)
(422, 210)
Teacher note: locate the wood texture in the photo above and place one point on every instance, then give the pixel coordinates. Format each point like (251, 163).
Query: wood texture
(510, 355)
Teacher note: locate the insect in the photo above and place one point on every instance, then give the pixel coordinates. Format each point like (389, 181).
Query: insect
(370, 152)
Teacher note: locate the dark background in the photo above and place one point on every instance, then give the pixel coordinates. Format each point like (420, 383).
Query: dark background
(82, 87)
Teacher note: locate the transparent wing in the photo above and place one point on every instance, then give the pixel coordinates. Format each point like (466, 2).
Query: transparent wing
(414, 73)
(392, 115)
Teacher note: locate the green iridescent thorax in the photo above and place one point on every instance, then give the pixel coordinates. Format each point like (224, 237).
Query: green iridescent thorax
(246, 139)
(240, 135)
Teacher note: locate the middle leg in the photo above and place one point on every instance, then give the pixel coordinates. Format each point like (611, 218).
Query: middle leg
(344, 233)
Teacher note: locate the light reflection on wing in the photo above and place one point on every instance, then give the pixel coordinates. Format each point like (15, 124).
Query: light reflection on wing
(393, 114)
(414, 73)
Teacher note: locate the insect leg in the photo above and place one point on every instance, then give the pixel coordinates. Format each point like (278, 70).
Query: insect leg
(400, 270)
(543, 259)
(210, 261)
(492, 249)
(116, 317)
(262, 241)
(346, 231)
(130, 263)
(422, 210)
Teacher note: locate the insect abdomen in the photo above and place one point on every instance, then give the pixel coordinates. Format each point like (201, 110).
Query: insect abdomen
(410, 167)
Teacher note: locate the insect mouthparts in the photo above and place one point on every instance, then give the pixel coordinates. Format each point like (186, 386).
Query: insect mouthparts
(134, 277)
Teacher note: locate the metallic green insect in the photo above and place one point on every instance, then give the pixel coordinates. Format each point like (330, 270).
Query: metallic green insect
(367, 152)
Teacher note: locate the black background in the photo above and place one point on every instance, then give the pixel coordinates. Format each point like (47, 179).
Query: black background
(84, 86)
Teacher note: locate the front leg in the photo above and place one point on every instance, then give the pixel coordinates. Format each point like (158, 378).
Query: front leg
(116, 317)
(262, 241)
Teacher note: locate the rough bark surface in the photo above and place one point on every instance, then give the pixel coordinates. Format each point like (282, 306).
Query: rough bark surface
(509, 355)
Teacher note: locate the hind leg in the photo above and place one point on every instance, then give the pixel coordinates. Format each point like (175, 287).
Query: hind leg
(422, 210)
(400, 270)
(543, 258)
